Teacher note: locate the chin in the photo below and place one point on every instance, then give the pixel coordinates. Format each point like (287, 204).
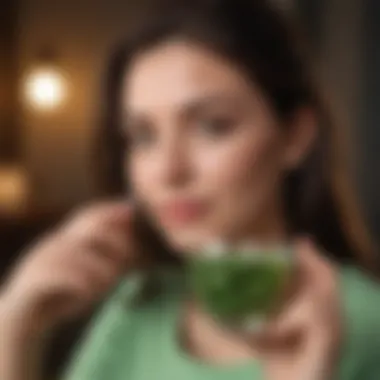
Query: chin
(188, 242)
(191, 241)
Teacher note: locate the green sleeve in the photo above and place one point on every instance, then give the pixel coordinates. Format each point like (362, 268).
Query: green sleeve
(362, 323)
(372, 372)
(371, 367)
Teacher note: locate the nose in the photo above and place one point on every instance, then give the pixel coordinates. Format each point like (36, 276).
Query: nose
(173, 166)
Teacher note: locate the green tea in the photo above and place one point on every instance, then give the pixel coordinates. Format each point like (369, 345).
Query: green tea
(237, 288)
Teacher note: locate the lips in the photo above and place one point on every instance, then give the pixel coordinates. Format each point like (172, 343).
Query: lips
(182, 212)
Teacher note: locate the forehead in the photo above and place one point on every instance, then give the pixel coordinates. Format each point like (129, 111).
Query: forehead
(175, 72)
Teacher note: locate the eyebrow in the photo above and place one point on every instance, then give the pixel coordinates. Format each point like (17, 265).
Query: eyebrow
(191, 106)
(212, 99)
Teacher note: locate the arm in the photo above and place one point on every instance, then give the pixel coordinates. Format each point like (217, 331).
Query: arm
(61, 277)
(20, 353)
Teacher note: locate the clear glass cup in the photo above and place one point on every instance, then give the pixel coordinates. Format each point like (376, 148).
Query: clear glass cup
(241, 285)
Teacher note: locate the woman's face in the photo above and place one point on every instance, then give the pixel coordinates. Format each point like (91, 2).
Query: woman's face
(206, 154)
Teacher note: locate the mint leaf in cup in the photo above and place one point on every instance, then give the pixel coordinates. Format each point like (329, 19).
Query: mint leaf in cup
(238, 285)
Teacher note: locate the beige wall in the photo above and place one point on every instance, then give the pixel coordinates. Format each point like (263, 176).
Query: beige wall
(58, 146)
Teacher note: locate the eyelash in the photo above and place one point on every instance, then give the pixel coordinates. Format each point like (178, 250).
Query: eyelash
(213, 127)
(216, 126)
(135, 138)
(141, 138)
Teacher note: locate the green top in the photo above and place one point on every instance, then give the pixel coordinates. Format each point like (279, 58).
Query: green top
(138, 343)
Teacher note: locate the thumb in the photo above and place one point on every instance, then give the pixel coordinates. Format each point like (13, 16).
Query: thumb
(315, 268)
(309, 257)
(117, 211)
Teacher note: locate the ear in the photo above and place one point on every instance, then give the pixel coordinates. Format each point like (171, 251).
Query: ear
(301, 135)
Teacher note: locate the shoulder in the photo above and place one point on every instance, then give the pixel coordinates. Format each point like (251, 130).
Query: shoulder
(118, 326)
(360, 296)
(360, 305)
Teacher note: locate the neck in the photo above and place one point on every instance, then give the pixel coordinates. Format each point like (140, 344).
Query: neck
(268, 227)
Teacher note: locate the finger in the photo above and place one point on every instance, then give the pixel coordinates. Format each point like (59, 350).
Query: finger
(108, 239)
(98, 271)
(76, 290)
(76, 283)
(117, 214)
(318, 357)
(291, 322)
(309, 256)
(113, 244)
(319, 281)
(316, 270)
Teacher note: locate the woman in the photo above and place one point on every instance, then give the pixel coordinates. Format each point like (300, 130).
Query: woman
(226, 138)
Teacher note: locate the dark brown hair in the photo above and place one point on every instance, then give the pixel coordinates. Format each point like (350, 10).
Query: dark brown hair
(259, 40)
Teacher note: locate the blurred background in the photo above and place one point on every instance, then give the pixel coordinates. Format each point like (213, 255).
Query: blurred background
(53, 62)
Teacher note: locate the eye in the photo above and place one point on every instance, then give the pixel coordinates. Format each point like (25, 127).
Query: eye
(216, 126)
(139, 136)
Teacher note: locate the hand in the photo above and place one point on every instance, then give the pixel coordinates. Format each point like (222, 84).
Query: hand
(302, 342)
(69, 270)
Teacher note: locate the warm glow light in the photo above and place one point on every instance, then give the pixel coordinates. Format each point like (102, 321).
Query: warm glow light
(45, 88)
(13, 190)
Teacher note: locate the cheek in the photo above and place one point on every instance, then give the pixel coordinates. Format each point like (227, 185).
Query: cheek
(139, 176)
(244, 180)
(243, 167)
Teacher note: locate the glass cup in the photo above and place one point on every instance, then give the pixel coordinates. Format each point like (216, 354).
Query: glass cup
(241, 285)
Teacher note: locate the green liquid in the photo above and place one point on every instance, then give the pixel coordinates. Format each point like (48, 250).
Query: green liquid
(234, 289)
